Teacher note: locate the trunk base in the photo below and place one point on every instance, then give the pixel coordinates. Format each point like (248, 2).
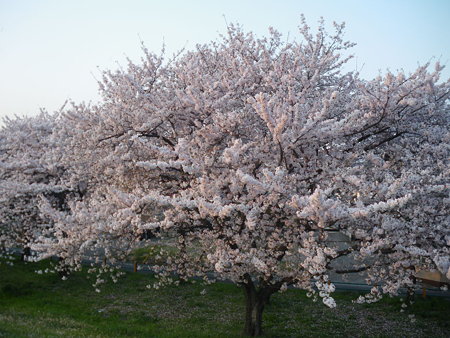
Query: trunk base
(256, 300)
(26, 252)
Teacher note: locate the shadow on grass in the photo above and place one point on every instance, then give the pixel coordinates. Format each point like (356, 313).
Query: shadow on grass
(45, 305)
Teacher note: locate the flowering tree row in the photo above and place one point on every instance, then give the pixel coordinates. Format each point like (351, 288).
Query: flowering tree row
(247, 152)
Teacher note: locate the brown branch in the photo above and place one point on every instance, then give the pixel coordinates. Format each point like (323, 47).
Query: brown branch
(383, 115)
(280, 161)
(370, 147)
(111, 136)
(362, 138)
(257, 166)
(354, 270)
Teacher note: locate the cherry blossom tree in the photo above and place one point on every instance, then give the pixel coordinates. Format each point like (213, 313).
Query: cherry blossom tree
(29, 171)
(250, 152)
(286, 149)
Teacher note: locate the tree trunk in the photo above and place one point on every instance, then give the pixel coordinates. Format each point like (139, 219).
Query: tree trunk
(63, 271)
(255, 302)
(26, 252)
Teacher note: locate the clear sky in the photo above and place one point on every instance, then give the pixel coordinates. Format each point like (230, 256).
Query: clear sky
(51, 51)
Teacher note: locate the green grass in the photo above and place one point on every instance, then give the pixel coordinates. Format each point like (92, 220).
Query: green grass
(33, 305)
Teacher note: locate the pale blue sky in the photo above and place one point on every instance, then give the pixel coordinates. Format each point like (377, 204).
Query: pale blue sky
(51, 50)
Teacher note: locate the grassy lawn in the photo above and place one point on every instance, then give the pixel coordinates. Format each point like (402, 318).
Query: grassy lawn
(33, 305)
